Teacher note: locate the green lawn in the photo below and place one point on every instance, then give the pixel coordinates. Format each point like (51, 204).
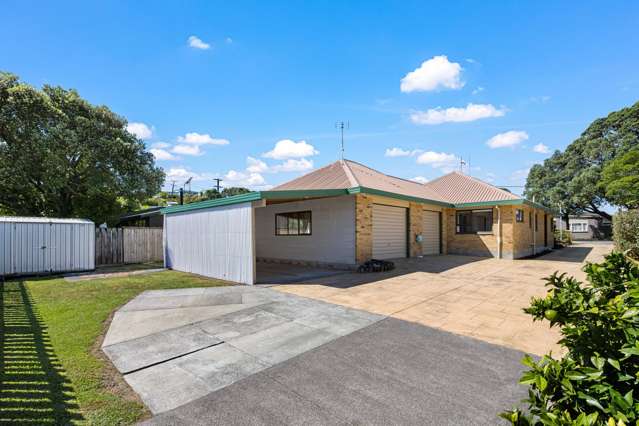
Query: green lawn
(50, 368)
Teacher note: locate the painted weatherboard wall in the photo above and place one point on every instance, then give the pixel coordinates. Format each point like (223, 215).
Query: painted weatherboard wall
(43, 246)
(215, 242)
(332, 239)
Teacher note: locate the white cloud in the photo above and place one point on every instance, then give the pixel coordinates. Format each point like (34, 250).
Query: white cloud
(255, 165)
(287, 148)
(244, 179)
(162, 154)
(400, 152)
(520, 175)
(160, 145)
(439, 160)
(140, 130)
(197, 43)
(471, 112)
(180, 174)
(228, 40)
(507, 139)
(541, 148)
(477, 90)
(201, 139)
(420, 179)
(188, 150)
(540, 99)
(435, 73)
(293, 165)
(471, 61)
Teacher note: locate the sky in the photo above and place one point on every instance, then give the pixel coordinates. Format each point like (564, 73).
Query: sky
(250, 92)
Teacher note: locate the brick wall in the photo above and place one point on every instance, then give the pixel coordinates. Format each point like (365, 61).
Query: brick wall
(525, 237)
(415, 224)
(363, 228)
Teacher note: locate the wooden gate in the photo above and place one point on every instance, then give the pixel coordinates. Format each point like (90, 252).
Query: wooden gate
(128, 245)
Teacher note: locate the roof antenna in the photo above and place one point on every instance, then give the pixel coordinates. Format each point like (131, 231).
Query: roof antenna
(341, 126)
(462, 163)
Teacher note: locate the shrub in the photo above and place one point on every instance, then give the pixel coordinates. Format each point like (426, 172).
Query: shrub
(596, 381)
(564, 237)
(625, 230)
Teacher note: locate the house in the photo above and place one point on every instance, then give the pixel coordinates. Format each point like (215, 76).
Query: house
(586, 227)
(346, 213)
(147, 218)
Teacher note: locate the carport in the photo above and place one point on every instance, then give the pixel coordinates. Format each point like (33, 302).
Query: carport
(244, 238)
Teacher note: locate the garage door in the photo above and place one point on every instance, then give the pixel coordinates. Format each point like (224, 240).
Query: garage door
(430, 232)
(389, 232)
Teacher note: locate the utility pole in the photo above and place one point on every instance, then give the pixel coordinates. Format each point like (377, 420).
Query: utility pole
(172, 188)
(217, 184)
(188, 182)
(341, 125)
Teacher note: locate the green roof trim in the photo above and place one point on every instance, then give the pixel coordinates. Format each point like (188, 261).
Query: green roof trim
(372, 191)
(318, 193)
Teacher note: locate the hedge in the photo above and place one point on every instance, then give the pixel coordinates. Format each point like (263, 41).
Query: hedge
(625, 229)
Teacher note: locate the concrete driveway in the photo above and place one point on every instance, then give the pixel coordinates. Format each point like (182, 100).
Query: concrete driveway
(471, 296)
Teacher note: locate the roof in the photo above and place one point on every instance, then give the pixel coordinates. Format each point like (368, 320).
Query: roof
(25, 219)
(151, 211)
(457, 188)
(349, 177)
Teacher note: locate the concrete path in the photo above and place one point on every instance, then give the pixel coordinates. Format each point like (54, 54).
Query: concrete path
(174, 346)
(391, 372)
(471, 296)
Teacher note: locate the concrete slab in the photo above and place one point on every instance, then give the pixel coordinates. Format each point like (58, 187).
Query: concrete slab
(278, 273)
(128, 325)
(148, 350)
(391, 372)
(251, 328)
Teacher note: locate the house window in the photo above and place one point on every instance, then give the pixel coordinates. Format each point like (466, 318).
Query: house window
(578, 227)
(474, 221)
(519, 215)
(293, 223)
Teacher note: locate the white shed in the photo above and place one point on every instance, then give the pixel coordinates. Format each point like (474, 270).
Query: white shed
(40, 245)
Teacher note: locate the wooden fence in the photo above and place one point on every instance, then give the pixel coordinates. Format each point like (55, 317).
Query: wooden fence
(128, 245)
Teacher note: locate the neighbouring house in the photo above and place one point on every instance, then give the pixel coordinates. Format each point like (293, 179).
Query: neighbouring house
(586, 227)
(147, 218)
(346, 213)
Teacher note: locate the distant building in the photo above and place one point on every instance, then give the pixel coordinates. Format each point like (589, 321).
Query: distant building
(147, 218)
(587, 226)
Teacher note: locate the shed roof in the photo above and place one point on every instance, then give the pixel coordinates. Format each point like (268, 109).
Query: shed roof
(26, 219)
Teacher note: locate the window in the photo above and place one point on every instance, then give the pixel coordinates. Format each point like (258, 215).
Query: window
(474, 221)
(519, 215)
(578, 227)
(294, 223)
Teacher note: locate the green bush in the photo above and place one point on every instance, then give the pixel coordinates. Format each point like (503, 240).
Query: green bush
(564, 237)
(596, 382)
(625, 230)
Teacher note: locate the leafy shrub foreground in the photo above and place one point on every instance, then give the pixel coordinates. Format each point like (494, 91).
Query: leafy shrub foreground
(597, 381)
(625, 229)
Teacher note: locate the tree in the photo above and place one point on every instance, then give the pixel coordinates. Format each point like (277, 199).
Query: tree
(620, 180)
(210, 194)
(574, 176)
(61, 156)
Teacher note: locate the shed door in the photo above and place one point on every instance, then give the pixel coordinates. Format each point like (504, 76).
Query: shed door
(389, 232)
(430, 232)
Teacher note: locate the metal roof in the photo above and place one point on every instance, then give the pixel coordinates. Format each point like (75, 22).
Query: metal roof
(349, 177)
(26, 219)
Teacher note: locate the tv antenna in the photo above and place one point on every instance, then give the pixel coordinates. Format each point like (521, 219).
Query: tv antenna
(462, 163)
(188, 182)
(341, 125)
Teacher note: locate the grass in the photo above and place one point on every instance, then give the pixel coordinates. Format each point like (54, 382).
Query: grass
(51, 368)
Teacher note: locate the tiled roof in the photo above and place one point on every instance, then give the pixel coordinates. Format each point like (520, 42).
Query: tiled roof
(452, 188)
(459, 188)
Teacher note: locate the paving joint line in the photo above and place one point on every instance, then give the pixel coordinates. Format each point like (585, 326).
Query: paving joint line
(172, 358)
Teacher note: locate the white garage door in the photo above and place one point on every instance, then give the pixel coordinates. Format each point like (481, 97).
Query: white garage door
(430, 232)
(389, 232)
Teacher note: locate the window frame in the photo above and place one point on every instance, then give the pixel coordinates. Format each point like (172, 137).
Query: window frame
(473, 231)
(519, 215)
(583, 225)
(294, 215)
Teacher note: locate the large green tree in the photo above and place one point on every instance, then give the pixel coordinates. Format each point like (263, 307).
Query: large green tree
(61, 156)
(620, 180)
(572, 179)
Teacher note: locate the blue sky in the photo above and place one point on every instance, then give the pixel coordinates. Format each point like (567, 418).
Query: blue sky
(499, 83)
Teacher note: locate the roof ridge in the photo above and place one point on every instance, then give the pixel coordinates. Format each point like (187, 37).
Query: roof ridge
(384, 174)
(349, 173)
(439, 178)
(490, 185)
